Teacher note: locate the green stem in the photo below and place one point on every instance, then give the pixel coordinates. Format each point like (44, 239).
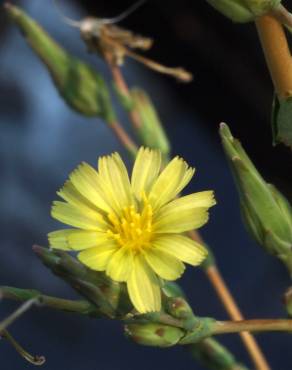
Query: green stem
(214, 356)
(226, 327)
(82, 307)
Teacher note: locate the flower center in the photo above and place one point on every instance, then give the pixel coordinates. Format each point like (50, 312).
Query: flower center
(134, 228)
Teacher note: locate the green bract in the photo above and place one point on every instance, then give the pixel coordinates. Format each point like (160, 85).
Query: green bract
(154, 334)
(266, 212)
(82, 88)
(282, 121)
(242, 11)
(151, 130)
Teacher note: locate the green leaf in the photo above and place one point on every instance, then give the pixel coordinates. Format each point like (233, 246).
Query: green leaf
(82, 88)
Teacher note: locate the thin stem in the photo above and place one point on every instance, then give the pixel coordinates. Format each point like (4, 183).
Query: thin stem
(17, 313)
(232, 309)
(277, 54)
(123, 137)
(82, 307)
(124, 91)
(35, 360)
(234, 312)
(227, 327)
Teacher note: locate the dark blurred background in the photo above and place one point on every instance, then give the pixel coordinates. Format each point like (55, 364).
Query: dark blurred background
(42, 140)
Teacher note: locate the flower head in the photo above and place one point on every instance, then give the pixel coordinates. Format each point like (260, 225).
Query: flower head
(132, 229)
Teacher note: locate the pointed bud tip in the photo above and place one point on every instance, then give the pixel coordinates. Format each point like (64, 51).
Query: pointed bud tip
(11, 9)
(38, 250)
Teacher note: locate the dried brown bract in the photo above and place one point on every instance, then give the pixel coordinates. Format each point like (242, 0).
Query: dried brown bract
(114, 44)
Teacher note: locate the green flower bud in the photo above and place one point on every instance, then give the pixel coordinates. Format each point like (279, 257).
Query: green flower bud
(172, 289)
(110, 298)
(151, 131)
(242, 11)
(179, 307)
(155, 335)
(266, 212)
(81, 87)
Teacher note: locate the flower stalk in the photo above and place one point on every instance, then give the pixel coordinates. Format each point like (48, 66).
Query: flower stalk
(225, 296)
(257, 326)
(82, 307)
(123, 137)
(125, 95)
(277, 54)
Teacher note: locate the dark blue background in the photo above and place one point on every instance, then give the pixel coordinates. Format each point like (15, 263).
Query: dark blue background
(41, 141)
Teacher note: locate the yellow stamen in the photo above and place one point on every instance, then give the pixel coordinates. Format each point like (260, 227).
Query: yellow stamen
(134, 228)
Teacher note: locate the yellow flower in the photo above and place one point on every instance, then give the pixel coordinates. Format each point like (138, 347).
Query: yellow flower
(132, 229)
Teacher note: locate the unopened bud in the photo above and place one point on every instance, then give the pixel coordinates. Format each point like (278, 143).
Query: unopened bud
(266, 212)
(82, 88)
(179, 307)
(155, 335)
(151, 130)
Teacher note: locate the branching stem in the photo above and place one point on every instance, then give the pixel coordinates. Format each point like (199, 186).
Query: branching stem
(233, 310)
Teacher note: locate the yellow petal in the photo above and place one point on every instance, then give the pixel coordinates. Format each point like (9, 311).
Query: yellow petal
(201, 199)
(164, 265)
(97, 258)
(74, 239)
(115, 181)
(145, 171)
(182, 247)
(170, 182)
(86, 180)
(120, 265)
(71, 195)
(187, 220)
(184, 214)
(58, 239)
(77, 217)
(143, 287)
(83, 239)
